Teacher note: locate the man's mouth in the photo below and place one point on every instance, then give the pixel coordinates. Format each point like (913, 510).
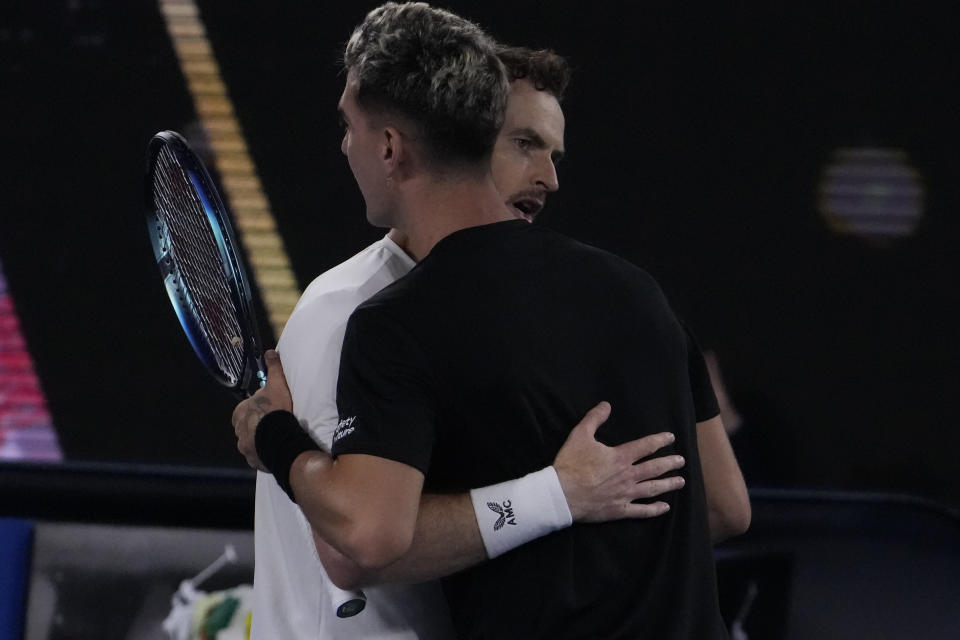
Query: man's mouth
(526, 207)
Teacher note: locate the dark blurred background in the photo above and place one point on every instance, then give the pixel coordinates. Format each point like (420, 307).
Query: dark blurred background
(787, 173)
(699, 143)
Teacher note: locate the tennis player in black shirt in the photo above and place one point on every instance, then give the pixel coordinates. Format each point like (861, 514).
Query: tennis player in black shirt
(501, 319)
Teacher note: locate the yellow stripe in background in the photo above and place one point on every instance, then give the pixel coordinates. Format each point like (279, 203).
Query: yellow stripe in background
(255, 224)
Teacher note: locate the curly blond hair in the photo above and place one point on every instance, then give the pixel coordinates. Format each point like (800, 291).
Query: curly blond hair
(435, 69)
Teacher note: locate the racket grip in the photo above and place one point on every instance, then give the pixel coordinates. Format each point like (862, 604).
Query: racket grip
(346, 604)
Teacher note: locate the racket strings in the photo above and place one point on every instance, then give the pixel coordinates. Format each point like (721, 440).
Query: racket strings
(198, 265)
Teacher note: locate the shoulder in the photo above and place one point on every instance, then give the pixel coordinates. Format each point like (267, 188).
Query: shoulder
(354, 281)
(574, 258)
(376, 266)
(323, 309)
(394, 319)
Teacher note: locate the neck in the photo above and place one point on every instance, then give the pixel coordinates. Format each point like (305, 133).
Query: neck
(400, 238)
(432, 210)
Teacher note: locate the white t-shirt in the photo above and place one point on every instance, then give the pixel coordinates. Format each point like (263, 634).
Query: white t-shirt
(290, 597)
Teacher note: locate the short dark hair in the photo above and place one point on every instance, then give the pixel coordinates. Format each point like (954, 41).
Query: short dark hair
(437, 71)
(544, 68)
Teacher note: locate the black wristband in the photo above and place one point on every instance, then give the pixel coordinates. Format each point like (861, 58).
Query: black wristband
(279, 440)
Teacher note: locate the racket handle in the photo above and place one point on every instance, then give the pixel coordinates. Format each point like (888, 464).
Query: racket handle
(346, 603)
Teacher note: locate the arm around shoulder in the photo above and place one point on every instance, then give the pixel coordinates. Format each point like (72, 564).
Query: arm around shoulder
(589, 482)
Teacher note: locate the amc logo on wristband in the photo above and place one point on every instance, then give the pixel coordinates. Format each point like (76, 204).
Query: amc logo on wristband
(505, 512)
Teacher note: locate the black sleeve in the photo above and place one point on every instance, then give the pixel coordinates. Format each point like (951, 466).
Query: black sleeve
(385, 399)
(704, 399)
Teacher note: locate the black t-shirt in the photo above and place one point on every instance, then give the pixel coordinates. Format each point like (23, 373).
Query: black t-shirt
(475, 367)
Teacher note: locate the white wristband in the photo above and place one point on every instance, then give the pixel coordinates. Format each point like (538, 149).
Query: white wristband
(517, 511)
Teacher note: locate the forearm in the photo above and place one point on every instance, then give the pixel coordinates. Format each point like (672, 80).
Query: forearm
(363, 506)
(588, 481)
(325, 504)
(446, 540)
(728, 503)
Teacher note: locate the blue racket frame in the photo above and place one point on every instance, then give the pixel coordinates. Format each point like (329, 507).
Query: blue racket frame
(253, 375)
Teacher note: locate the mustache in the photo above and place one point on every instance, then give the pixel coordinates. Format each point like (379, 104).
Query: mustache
(535, 194)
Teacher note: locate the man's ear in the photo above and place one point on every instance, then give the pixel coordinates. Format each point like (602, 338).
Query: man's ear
(393, 151)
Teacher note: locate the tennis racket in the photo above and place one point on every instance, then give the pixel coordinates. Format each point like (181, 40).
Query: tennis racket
(198, 255)
(198, 258)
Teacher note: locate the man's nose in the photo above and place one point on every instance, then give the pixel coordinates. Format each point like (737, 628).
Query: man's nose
(546, 177)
